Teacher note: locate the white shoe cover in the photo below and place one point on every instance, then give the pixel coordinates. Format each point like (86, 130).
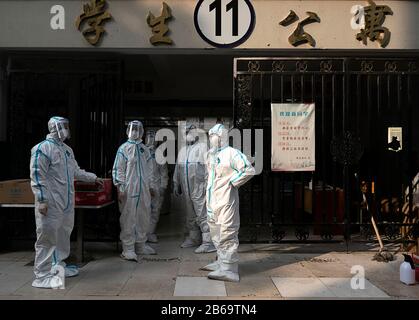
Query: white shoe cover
(211, 267)
(48, 282)
(144, 249)
(71, 271)
(189, 243)
(224, 275)
(205, 248)
(129, 255)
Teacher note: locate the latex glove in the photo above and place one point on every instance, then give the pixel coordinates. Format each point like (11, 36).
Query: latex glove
(43, 208)
(100, 182)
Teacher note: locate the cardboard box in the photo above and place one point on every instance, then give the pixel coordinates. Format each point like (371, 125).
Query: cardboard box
(16, 192)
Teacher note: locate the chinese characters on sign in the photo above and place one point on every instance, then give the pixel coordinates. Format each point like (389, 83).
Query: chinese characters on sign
(374, 19)
(158, 26)
(94, 14)
(293, 137)
(299, 36)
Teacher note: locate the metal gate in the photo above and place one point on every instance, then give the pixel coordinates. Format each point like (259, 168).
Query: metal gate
(102, 117)
(87, 91)
(356, 100)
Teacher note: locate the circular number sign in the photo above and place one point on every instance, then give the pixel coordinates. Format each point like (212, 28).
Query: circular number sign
(224, 23)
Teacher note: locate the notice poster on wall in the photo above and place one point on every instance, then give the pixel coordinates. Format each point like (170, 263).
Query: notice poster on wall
(293, 137)
(395, 139)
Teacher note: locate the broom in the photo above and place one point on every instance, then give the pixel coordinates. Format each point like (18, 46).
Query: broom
(383, 255)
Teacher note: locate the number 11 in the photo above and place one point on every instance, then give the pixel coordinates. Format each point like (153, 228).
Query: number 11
(232, 5)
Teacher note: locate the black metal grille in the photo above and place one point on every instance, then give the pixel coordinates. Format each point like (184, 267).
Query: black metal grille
(101, 114)
(356, 100)
(40, 88)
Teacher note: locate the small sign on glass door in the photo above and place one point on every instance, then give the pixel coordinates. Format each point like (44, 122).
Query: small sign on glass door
(395, 142)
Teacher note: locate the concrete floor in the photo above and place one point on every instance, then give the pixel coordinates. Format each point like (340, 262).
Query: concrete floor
(268, 271)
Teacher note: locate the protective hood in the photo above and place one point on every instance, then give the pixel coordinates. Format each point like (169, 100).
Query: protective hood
(191, 138)
(150, 139)
(218, 136)
(59, 128)
(135, 130)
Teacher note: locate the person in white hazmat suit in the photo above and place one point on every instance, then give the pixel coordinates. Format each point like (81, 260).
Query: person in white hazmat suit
(189, 180)
(53, 169)
(228, 169)
(162, 179)
(133, 177)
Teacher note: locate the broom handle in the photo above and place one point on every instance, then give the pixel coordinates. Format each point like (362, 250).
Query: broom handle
(373, 223)
(376, 232)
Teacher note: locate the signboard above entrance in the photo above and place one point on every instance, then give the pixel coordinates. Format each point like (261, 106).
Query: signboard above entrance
(192, 24)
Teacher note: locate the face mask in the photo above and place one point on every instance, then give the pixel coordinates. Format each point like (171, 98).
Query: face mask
(190, 138)
(150, 140)
(63, 131)
(214, 141)
(133, 135)
(134, 131)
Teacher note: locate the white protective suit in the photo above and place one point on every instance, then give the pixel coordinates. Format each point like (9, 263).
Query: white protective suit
(162, 179)
(53, 169)
(132, 175)
(190, 177)
(228, 169)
